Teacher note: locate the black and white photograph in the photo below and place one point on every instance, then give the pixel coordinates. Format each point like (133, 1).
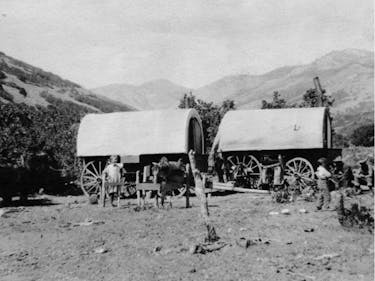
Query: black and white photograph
(147, 140)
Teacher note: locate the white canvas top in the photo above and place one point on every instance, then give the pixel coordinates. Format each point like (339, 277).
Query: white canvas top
(135, 133)
(272, 129)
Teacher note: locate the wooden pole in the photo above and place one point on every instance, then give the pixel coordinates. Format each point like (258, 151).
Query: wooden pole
(138, 191)
(200, 181)
(230, 187)
(319, 90)
(187, 192)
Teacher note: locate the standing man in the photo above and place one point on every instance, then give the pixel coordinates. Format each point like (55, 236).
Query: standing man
(323, 175)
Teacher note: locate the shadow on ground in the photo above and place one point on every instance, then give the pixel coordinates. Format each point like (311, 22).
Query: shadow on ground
(29, 203)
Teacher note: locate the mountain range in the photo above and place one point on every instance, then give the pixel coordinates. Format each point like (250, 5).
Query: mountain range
(347, 75)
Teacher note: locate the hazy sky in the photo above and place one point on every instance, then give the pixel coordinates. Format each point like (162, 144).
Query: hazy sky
(99, 42)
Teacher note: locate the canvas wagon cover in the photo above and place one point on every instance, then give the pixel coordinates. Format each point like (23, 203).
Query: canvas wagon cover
(272, 129)
(135, 132)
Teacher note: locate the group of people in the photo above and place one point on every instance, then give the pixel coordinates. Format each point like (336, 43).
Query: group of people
(342, 176)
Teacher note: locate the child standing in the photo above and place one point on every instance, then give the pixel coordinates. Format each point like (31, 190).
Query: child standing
(112, 174)
(323, 175)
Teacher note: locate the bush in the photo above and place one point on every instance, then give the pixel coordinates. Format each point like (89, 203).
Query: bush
(363, 136)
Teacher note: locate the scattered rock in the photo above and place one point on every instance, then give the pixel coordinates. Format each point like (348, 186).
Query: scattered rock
(243, 229)
(88, 222)
(273, 213)
(193, 270)
(327, 256)
(157, 249)
(93, 199)
(309, 230)
(303, 211)
(285, 211)
(246, 243)
(101, 250)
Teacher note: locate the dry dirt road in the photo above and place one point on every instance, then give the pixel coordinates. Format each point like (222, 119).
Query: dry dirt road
(44, 242)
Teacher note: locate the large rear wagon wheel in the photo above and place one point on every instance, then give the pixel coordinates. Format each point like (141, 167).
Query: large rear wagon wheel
(91, 178)
(247, 167)
(299, 170)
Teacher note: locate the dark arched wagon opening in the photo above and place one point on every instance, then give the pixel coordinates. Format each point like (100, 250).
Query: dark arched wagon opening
(139, 138)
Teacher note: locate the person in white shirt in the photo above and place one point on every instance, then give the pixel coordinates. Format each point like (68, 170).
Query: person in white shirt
(112, 174)
(323, 175)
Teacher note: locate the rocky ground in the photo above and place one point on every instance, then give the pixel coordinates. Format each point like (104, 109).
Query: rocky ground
(64, 238)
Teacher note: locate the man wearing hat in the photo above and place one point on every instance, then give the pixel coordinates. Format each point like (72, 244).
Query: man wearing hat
(365, 174)
(323, 175)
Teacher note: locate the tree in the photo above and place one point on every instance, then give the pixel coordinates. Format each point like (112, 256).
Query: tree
(276, 102)
(311, 99)
(363, 136)
(210, 113)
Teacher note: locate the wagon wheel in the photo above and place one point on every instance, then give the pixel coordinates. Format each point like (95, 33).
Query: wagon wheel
(299, 170)
(91, 178)
(246, 166)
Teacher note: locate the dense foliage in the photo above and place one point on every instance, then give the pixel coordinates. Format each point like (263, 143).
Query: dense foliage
(26, 130)
(210, 113)
(363, 136)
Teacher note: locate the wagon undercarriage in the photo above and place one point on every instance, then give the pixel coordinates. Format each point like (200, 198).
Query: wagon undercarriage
(254, 169)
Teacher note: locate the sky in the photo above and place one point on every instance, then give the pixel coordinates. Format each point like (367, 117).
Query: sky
(191, 43)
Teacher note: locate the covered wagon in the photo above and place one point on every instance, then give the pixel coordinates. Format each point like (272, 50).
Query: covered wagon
(248, 139)
(139, 138)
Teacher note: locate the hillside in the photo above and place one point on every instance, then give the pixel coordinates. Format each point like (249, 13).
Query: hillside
(347, 75)
(39, 115)
(151, 95)
(23, 83)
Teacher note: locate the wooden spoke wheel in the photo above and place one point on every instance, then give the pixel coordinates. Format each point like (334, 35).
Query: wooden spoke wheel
(91, 178)
(299, 171)
(246, 170)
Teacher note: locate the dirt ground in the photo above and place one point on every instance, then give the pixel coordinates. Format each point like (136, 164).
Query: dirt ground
(44, 241)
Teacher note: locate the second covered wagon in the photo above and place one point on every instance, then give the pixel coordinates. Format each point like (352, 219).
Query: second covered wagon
(247, 139)
(139, 138)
